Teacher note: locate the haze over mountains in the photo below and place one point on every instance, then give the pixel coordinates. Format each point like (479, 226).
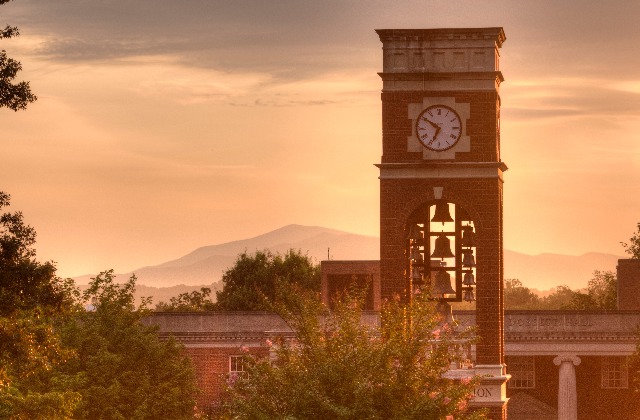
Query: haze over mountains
(205, 265)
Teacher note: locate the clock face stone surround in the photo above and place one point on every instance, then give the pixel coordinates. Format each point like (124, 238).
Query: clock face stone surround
(463, 144)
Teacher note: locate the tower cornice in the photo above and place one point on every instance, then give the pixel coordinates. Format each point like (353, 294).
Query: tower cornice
(495, 34)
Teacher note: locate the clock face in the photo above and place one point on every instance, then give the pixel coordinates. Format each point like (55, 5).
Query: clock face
(438, 128)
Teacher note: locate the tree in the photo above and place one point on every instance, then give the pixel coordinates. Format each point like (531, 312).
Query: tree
(580, 302)
(31, 295)
(633, 247)
(250, 284)
(602, 293)
(30, 352)
(561, 298)
(60, 361)
(189, 302)
(14, 96)
(339, 367)
(603, 290)
(122, 369)
(516, 296)
(25, 283)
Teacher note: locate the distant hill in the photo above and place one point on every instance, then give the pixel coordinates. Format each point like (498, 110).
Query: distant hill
(163, 294)
(205, 265)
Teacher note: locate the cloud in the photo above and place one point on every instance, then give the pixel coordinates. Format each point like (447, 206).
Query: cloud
(299, 39)
(289, 39)
(536, 99)
(632, 86)
(193, 86)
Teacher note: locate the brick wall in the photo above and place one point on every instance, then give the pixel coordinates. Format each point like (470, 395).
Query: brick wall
(481, 198)
(337, 276)
(628, 282)
(482, 126)
(211, 365)
(594, 402)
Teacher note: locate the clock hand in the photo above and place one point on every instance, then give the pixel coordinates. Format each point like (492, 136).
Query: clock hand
(434, 125)
(434, 134)
(437, 127)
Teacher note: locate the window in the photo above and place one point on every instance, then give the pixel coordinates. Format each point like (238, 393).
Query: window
(236, 364)
(614, 372)
(523, 372)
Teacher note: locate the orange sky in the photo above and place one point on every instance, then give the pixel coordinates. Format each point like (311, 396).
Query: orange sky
(162, 126)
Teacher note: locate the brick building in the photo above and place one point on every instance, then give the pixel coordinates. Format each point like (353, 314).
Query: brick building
(582, 351)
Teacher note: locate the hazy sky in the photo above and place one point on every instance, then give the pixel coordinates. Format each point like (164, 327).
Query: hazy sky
(165, 125)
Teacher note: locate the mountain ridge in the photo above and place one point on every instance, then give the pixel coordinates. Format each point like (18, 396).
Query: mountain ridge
(205, 265)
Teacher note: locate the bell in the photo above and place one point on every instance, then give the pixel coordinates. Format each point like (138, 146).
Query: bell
(468, 295)
(442, 248)
(468, 236)
(442, 285)
(416, 255)
(415, 275)
(443, 309)
(469, 280)
(442, 213)
(467, 258)
(415, 233)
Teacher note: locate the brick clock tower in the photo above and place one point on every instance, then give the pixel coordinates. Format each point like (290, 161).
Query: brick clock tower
(441, 181)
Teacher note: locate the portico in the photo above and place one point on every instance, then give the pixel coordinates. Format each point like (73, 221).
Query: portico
(573, 361)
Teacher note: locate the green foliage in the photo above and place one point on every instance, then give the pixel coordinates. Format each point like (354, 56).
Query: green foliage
(603, 290)
(339, 367)
(189, 302)
(33, 405)
(30, 353)
(28, 347)
(516, 296)
(30, 296)
(122, 369)
(561, 298)
(250, 284)
(633, 247)
(601, 295)
(14, 96)
(580, 302)
(60, 361)
(26, 284)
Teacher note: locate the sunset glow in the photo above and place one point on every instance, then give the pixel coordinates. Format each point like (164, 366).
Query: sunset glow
(163, 126)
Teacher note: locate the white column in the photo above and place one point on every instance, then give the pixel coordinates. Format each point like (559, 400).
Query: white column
(567, 394)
